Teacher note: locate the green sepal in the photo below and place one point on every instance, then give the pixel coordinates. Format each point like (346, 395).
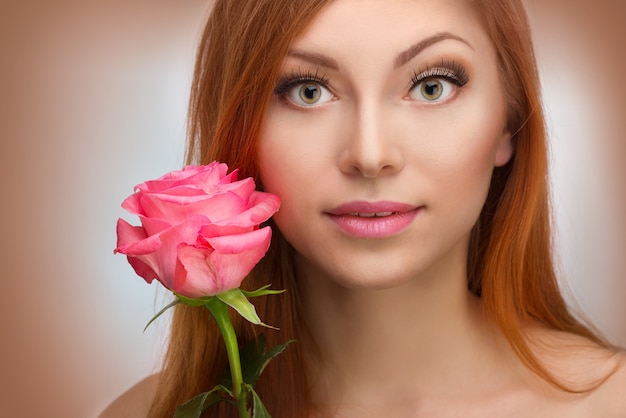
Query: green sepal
(161, 312)
(263, 291)
(197, 405)
(193, 301)
(238, 301)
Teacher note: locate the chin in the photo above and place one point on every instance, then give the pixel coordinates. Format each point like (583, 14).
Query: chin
(370, 279)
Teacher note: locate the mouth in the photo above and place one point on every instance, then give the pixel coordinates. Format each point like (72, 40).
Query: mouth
(367, 209)
(372, 215)
(373, 220)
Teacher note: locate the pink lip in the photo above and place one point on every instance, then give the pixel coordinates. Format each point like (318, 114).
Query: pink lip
(391, 219)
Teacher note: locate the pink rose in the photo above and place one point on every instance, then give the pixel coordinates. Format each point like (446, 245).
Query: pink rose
(199, 233)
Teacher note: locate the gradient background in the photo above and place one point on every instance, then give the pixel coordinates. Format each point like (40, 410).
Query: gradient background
(93, 97)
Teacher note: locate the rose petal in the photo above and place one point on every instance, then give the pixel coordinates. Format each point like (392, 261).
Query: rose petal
(142, 269)
(128, 235)
(173, 210)
(263, 206)
(130, 241)
(224, 228)
(230, 178)
(207, 272)
(194, 276)
(210, 173)
(242, 188)
(154, 226)
(232, 244)
(207, 175)
(236, 255)
(200, 231)
(132, 205)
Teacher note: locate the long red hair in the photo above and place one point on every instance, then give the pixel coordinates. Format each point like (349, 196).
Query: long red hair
(510, 263)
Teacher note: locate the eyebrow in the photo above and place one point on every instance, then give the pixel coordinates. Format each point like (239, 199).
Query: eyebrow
(401, 59)
(414, 50)
(314, 58)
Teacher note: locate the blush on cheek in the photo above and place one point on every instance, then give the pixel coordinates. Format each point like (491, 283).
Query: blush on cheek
(493, 141)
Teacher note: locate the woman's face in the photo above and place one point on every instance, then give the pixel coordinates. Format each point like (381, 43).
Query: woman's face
(381, 138)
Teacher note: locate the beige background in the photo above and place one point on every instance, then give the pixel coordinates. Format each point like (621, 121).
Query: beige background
(92, 102)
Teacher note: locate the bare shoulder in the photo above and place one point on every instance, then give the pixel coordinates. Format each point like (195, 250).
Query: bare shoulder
(597, 372)
(135, 402)
(609, 399)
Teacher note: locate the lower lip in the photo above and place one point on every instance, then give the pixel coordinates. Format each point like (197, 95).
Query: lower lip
(376, 227)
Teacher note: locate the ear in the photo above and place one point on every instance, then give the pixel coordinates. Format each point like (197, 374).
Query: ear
(504, 150)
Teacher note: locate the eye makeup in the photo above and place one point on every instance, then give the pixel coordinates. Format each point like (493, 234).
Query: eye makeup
(446, 71)
(451, 71)
(286, 83)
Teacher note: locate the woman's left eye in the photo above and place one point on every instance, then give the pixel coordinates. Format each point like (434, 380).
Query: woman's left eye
(432, 90)
(308, 94)
(436, 84)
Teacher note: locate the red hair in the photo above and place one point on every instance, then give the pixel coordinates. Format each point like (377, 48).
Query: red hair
(510, 259)
(237, 65)
(509, 264)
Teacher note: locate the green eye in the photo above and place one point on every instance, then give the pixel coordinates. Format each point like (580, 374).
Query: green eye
(436, 84)
(431, 90)
(309, 93)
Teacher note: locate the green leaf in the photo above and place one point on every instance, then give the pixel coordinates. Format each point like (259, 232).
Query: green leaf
(238, 301)
(261, 292)
(274, 352)
(174, 303)
(258, 409)
(197, 405)
(255, 357)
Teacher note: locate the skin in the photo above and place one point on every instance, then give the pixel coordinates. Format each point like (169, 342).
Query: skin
(370, 136)
(371, 140)
(396, 332)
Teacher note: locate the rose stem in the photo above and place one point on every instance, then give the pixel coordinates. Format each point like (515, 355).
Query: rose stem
(219, 310)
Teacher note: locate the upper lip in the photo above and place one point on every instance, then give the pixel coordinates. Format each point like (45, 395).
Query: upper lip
(371, 208)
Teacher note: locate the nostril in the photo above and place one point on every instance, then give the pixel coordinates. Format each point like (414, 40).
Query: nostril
(369, 150)
(371, 163)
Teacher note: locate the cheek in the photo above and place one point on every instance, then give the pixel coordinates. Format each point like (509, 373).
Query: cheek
(297, 151)
(273, 170)
(462, 159)
(274, 148)
(273, 167)
(287, 166)
(282, 175)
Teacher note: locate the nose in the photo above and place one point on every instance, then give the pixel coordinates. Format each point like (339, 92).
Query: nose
(370, 149)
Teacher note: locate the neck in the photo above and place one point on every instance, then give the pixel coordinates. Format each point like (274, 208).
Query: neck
(398, 341)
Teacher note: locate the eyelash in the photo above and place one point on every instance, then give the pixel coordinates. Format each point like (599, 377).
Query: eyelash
(449, 70)
(286, 83)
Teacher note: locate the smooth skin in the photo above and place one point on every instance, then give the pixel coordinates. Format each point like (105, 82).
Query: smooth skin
(397, 332)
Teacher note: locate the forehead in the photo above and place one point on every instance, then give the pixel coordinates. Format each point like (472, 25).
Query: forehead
(389, 24)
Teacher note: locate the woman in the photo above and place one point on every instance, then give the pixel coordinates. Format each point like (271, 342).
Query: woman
(406, 141)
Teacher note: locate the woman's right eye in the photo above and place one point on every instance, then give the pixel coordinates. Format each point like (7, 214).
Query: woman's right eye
(305, 93)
